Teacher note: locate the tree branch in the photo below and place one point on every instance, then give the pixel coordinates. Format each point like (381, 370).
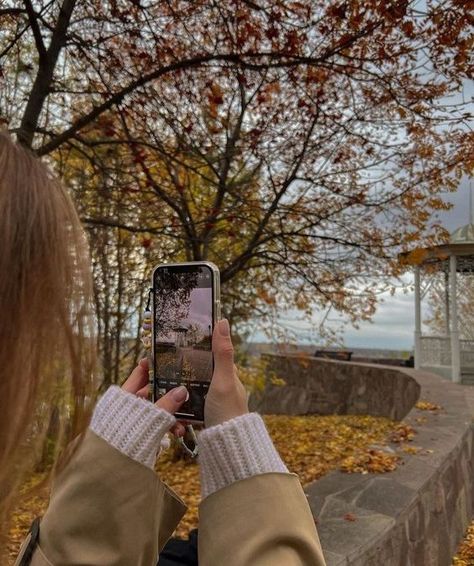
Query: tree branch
(11, 11)
(44, 76)
(33, 19)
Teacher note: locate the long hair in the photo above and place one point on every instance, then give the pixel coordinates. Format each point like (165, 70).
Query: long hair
(46, 318)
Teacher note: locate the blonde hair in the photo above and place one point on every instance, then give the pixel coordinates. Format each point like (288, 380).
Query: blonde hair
(46, 332)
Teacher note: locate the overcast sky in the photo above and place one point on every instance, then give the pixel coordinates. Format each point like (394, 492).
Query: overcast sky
(394, 321)
(393, 324)
(200, 310)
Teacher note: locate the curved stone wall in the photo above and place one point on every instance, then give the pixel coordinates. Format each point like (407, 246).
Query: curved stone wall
(321, 386)
(415, 515)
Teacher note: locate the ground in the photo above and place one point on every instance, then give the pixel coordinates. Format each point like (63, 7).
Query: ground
(465, 555)
(311, 446)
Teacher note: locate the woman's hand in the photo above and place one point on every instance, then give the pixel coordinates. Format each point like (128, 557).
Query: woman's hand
(227, 397)
(137, 384)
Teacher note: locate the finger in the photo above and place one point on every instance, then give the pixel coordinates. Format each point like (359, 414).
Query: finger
(144, 392)
(178, 430)
(173, 400)
(138, 379)
(143, 363)
(223, 350)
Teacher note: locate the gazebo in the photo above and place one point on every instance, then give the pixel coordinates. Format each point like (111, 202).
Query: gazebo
(447, 354)
(180, 333)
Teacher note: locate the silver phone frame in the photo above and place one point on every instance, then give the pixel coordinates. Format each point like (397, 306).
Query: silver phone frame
(216, 310)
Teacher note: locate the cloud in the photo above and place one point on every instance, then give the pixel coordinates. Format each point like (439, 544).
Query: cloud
(392, 326)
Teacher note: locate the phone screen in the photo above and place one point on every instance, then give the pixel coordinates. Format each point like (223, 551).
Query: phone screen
(183, 324)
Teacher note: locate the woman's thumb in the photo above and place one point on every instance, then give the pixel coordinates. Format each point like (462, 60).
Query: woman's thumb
(223, 349)
(173, 400)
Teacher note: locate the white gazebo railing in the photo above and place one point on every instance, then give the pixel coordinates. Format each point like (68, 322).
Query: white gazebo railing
(467, 355)
(435, 351)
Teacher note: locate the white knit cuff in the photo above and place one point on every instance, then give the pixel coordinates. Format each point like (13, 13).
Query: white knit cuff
(235, 450)
(131, 424)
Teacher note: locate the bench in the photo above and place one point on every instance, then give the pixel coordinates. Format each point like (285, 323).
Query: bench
(341, 355)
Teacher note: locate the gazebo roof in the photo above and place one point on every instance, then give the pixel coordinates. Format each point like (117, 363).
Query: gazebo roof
(463, 235)
(461, 244)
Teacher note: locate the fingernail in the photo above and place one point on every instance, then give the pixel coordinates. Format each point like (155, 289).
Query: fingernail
(179, 394)
(224, 327)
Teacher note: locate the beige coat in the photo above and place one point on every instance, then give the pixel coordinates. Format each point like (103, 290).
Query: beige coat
(108, 510)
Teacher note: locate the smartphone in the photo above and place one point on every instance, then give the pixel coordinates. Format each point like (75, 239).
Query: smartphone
(186, 306)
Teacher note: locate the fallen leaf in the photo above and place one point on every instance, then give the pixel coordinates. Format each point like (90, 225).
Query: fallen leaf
(427, 406)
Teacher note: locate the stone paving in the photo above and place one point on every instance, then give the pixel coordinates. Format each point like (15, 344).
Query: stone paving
(417, 514)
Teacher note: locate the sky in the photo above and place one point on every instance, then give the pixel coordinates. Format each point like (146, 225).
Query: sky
(394, 321)
(200, 311)
(393, 324)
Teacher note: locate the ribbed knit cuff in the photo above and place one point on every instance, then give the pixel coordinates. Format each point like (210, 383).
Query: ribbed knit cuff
(235, 450)
(131, 424)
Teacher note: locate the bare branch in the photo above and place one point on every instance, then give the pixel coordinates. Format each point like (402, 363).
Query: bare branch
(33, 19)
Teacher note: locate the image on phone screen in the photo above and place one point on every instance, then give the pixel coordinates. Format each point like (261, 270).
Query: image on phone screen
(183, 305)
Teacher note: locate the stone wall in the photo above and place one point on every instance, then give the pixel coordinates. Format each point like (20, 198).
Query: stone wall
(415, 515)
(320, 386)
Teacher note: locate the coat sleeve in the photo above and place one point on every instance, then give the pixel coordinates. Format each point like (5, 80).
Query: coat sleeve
(105, 509)
(264, 520)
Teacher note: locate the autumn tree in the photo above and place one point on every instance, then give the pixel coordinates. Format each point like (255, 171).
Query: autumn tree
(65, 63)
(173, 300)
(300, 145)
(296, 203)
(120, 260)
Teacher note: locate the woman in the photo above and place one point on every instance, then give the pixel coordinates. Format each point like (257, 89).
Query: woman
(107, 505)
